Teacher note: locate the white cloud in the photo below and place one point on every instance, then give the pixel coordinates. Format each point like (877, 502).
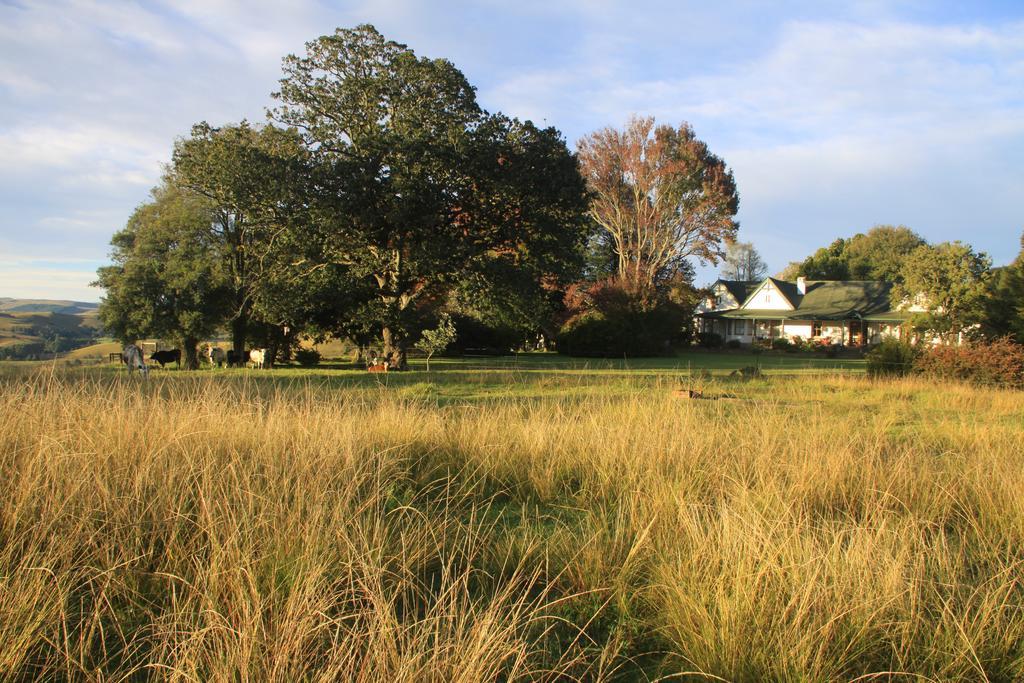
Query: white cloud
(845, 115)
(30, 280)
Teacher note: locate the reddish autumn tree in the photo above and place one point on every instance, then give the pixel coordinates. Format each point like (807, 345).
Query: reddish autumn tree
(661, 196)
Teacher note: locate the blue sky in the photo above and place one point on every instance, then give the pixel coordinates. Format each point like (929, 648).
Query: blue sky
(834, 116)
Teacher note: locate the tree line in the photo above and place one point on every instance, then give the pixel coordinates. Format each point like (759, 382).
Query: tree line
(379, 197)
(380, 200)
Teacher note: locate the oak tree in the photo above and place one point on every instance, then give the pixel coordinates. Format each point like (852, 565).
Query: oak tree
(414, 182)
(255, 178)
(166, 280)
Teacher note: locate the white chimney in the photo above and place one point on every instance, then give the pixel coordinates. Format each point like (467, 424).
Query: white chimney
(801, 285)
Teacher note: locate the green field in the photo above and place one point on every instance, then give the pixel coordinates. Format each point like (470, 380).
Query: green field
(523, 375)
(509, 519)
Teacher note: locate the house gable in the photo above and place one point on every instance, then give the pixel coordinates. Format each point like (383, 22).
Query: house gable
(768, 296)
(723, 297)
(726, 295)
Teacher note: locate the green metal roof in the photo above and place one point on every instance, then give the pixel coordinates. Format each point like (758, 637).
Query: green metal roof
(827, 300)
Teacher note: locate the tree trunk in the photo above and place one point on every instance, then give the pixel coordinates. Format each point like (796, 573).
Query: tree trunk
(273, 345)
(239, 329)
(191, 353)
(394, 350)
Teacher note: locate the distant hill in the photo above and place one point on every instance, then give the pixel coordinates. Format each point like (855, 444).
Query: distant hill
(9, 305)
(36, 328)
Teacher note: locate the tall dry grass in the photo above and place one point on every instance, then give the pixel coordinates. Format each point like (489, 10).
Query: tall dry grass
(213, 529)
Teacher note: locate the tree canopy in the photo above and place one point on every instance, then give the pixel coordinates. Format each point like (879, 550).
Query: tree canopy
(876, 255)
(255, 178)
(415, 185)
(1004, 302)
(660, 195)
(949, 281)
(167, 279)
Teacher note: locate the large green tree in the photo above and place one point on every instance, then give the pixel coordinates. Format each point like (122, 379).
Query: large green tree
(167, 279)
(414, 183)
(949, 281)
(1004, 303)
(877, 254)
(827, 263)
(256, 179)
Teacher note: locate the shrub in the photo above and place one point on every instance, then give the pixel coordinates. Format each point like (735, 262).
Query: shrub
(477, 337)
(892, 357)
(998, 362)
(608, 319)
(733, 344)
(594, 334)
(782, 344)
(710, 340)
(307, 358)
(621, 333)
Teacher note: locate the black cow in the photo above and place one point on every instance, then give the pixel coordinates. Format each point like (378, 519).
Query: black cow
(165, 357)
(236, 359)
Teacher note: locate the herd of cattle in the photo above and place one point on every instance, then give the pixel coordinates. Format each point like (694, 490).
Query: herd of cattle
(133, 357)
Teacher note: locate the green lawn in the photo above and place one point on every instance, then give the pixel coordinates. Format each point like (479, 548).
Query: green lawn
(539, 376)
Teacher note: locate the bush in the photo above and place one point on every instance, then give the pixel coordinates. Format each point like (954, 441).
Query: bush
(782, 344)
(622, 333)
(476, 337)
(802, 344)
(710, 340)
(891, 358)
(999, 362)
(733, 344)
(594, 334)
(307, 358)
(607, 319)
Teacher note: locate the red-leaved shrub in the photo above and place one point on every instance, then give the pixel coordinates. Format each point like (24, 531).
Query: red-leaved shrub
(999, 362)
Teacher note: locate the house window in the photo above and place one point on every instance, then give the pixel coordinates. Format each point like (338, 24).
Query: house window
(739, 327)
(816, 328)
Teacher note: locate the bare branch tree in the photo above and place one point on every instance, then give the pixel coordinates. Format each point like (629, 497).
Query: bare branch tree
(661, 195)
(742, 262)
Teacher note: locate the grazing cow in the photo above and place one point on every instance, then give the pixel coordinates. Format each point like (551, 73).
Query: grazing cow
(133, 358)
(257, 357)
(214, 355)
(165, 357)
(382, 367)
(235, 358)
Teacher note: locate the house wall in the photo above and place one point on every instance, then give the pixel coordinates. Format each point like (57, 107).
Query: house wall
(830, 330)
(746, 331)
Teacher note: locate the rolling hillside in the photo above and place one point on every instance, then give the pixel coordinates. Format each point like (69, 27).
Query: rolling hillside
(9, 305)
(33, 328)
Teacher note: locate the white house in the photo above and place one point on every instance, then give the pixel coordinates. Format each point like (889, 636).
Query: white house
(848, 312)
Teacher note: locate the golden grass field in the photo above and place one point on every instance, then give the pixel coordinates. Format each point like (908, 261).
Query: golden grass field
(245, 527)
